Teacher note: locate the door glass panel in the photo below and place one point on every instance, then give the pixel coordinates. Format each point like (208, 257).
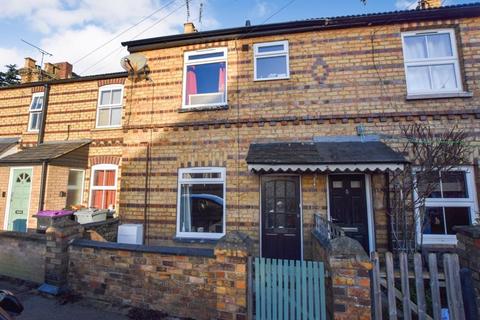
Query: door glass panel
(280, 189)
(355, 184)
(291, 205)
(290, 189)
(280, 205)
(280, 221)
(290, 221)
(270, 221)
(337, 184)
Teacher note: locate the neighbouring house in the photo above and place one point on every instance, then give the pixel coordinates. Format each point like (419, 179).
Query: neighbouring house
(253, 129)
(46, 162)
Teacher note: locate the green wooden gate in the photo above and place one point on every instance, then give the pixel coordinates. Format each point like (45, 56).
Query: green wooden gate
(289, 290)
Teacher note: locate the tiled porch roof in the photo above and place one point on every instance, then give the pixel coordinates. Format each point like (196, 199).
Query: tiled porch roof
(323, 156)
(48, 151)
(7, 143)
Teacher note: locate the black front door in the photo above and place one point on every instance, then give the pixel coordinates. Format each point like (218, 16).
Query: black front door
(281, 225)
(348, 206)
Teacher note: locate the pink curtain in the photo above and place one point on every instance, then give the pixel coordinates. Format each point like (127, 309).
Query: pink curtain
(97, 196)
(191, 84)
(109, 199)
(99, 178)
(221, 79)
(109, 178)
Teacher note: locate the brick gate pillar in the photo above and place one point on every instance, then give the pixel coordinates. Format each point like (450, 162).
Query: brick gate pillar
(230, 266)
(56, 257)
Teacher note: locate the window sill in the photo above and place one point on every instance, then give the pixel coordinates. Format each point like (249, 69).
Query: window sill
(106, 128)
(271, 79)
(196, 240)
(439, 95)
(202, 108)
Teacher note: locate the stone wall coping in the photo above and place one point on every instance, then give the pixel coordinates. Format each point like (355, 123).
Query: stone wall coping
(470, 231)
(100, 223)
(179, 251)
(23, 235)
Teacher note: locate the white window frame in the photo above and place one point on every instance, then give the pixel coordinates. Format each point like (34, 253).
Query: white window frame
(100, 167)
(109, 106)
(221, 180)
(31, 112)
(470, 202)
(256, 54)
(433, 61)
(187, 63)
(82, 187)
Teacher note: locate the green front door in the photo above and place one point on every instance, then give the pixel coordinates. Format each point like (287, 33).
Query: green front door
(19, 199)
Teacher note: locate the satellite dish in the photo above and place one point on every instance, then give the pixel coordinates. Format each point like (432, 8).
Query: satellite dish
(133, 63)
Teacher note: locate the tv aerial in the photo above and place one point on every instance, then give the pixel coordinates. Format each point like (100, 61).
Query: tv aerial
(42, 52)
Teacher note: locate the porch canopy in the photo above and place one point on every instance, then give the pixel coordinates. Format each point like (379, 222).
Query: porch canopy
(341, 155)
(73, 154)
(7, 143)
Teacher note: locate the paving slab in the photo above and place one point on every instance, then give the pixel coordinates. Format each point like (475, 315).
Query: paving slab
(40, 307)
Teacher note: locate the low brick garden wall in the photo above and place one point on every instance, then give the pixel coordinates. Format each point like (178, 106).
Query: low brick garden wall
(200, 283)
(348, 281)
(106, 231)
(22, 255)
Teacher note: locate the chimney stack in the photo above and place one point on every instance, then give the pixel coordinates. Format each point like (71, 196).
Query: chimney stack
(189, 27)
(428, 4)
(64, 70)
(31, 72)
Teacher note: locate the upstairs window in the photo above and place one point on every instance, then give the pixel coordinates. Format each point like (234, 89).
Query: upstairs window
(271, 60)
(201, 203)
(36, 109)
(109, 111)
(451, 203)
(431, 62)
(205, 78)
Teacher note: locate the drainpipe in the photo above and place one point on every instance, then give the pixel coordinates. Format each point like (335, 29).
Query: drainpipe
(41, 135)
(41, 131)
(43, 183)
(147, 184)
(389, 218)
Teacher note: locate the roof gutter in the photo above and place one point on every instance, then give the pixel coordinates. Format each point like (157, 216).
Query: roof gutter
(451, 12)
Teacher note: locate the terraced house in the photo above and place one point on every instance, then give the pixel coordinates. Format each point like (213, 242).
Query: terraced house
(255, 129)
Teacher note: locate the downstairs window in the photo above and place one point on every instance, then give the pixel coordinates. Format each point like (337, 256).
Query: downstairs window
(201, 203)
(103, 188)
(451, 203)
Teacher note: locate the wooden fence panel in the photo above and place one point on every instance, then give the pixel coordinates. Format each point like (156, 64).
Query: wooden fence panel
(434, 286)
(289, 290)
(392, 302)
(419, 286)
(391, 278)
(407, 311)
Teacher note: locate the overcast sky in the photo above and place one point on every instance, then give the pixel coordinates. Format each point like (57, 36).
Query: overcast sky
(70, 29)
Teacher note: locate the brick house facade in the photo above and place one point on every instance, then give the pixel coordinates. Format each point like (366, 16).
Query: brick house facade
(182, 165)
